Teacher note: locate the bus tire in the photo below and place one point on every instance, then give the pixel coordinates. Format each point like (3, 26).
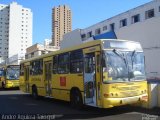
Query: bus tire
(34, 92)
(76, 99)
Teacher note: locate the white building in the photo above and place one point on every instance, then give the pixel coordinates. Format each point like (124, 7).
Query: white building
(47, 42)
(40, 49)
(15, 30)
(140, 24)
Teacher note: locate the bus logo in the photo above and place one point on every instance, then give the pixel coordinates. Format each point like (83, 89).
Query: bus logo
(62, 81)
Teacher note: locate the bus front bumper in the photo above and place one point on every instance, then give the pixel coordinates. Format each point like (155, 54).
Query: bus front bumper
(111, 102)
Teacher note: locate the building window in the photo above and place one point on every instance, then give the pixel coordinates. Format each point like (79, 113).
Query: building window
(149, 14)
(135, 18)
(89, 34)
(104, 28)
(98, 31)
(123, 22)
(112, 27)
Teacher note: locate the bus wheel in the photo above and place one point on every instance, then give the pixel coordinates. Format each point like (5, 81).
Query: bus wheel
(76, 99)
(34, 92)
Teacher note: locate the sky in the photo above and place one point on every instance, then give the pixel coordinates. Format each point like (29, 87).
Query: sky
(84, 13)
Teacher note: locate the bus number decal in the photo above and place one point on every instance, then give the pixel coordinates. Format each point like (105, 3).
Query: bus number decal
(62, 81)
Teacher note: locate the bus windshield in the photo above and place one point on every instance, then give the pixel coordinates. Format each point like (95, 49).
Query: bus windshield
(12, 73)
(124, 65)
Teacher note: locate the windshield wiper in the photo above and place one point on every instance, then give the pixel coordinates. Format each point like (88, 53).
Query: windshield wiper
(125, 61)
(121, 56)
(133, 53)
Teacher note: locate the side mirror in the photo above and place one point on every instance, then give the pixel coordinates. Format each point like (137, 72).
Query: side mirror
(131, 75)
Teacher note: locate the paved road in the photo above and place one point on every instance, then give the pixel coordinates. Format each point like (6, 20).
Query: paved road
(16, 103)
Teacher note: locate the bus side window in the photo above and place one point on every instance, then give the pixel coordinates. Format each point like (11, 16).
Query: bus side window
(37, 67)
(63, 63)
(31, 69)
(76, 61)
(40, 67)
(55, 63)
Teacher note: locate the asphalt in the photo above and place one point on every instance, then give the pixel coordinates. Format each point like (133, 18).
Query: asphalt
(19, 105)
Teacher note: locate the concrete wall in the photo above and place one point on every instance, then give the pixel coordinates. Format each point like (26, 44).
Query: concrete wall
(71, 39)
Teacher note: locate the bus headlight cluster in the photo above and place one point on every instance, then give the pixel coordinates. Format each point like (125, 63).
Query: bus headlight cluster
(144, 91)
(111, 95)
(114, 94)
(9, 82)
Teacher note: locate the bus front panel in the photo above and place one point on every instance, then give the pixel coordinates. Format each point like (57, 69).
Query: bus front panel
(117, 94)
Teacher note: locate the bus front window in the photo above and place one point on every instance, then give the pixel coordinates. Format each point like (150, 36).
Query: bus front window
(136, 65)
(123, 66)
(12, 73)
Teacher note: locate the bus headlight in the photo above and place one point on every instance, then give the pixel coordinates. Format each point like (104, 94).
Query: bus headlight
(9, 82)
(145, 91)
(112, 94)
(106, 95)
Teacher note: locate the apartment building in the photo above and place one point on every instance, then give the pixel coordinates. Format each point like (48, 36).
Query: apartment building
(61, 23)
(15, 30)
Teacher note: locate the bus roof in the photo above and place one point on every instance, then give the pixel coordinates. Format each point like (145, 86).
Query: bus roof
(83, 45)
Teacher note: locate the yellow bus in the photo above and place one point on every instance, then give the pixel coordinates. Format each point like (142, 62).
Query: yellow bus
(9, 76)
(101, 73)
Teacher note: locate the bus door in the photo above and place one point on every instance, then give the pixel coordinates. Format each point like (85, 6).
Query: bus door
(92, 79)
(89, 79)
(48, 75)
(26, 78)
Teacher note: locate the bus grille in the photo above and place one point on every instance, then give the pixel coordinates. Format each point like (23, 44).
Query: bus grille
(129, 94)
